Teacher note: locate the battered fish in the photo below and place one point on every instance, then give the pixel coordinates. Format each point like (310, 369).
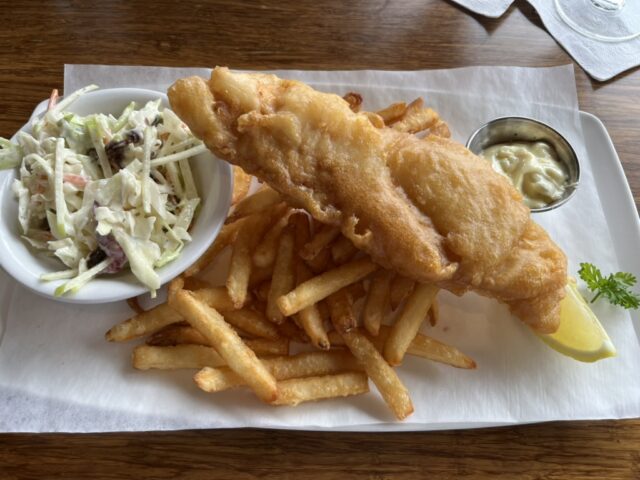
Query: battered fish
(426, 208)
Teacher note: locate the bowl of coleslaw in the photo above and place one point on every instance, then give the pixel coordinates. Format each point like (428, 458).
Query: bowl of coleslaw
(107, 195)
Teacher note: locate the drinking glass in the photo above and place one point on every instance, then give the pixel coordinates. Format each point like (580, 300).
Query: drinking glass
(604, 20)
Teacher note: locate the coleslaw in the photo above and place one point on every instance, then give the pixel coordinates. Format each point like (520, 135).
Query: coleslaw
(101, 193)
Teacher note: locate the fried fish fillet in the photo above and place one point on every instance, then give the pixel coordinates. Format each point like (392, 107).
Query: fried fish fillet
(424, 207)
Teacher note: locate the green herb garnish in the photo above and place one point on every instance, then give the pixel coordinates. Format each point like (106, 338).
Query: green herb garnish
(614, 288)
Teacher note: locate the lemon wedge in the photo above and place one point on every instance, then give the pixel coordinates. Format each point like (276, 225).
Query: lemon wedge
(580, 335)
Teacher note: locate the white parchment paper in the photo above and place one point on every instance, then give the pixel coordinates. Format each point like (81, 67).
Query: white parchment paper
(57, 373)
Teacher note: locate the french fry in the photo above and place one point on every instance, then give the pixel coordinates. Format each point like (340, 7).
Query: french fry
(342, 250)
(321, 239)
(401, 288)
(383, 376)
(240, 265)
(440, 129)
(241, 184)
(196, 356)
(321, 286)
(227, 343)
(252, 322)
(408, 322)
(212, 380)
(263, 346)
(412, 109)
(259, 202)
(282, 368)
(432, 349)
(310, 318)
(135, 305)
(244, 335)
(421, 346)
(146, 357)
(215, 297)
(376, 305)
(415, 106)
(427, 347)
(337, 341)
(341, 310)
(392, 113)
(185, 334)
(417, 121)
(416, 118)
(175, 285)
(266, 251)
(143, 324)
(162, 315)
(225, 238)
(354, 100)
(295, 391)
(180, 333)
(375, 119)
(434, 313)
(283, 279)
(285, 284)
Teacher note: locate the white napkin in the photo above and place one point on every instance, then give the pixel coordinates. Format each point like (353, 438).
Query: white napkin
(488, 8)
(57, 373)
(601, 60)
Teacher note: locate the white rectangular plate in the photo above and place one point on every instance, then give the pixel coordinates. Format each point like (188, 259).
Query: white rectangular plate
(47, 408)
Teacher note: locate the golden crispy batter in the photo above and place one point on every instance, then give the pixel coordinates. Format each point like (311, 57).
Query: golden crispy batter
(501, 252)
(305, 149)
(427, 208)
(478, 212)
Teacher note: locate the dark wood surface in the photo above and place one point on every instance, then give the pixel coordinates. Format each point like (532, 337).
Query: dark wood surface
(38, 38)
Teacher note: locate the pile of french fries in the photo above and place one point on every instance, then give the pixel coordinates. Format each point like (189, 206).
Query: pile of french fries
(293, 285)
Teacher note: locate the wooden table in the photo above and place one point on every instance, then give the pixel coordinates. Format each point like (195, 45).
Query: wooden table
(38, 38)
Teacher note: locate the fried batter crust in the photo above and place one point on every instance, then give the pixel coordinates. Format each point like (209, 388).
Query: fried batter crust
(426, 208)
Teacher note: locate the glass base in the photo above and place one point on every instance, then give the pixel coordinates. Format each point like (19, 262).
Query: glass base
(603, 20)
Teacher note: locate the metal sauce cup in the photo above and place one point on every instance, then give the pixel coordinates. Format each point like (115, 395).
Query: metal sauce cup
(522, 129)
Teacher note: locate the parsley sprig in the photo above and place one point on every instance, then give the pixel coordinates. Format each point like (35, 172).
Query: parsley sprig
(614, 288)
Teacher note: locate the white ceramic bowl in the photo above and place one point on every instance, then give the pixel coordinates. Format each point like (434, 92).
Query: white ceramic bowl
(213, 178)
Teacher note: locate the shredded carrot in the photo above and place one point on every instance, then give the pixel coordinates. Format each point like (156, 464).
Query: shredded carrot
(53, 99)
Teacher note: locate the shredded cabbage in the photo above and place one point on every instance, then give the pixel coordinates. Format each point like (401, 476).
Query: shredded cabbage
(100, 192)
(10, 154)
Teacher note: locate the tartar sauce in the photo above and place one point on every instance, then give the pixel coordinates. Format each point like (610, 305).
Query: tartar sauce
(533, 168)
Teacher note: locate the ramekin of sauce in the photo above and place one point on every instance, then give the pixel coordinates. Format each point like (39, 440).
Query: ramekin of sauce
(539, 161)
